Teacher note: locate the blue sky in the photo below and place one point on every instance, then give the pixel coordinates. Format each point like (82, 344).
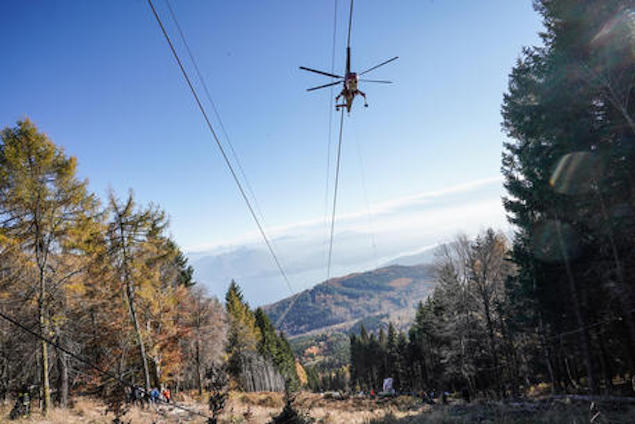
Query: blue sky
(99, 79)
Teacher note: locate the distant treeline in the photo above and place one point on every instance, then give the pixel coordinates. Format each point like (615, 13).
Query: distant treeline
(459, 339)
(259, 358)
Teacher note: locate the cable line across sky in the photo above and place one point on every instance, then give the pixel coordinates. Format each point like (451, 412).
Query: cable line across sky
(221, 149)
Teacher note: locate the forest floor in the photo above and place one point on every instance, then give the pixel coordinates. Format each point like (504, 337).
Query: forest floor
(259, 408)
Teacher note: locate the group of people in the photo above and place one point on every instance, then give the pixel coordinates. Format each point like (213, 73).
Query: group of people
(155, 395)
(429, 397)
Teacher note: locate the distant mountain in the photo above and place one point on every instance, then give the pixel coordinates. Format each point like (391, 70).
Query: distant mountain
(339, 304)
(424, 256)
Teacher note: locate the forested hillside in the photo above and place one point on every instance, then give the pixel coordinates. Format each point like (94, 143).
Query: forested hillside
(100, 278)
(341, 302)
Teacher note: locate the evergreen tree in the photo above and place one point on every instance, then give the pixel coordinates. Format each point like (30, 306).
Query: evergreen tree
(568, 172)
(268, 342)
(285, 362)
(242, 336)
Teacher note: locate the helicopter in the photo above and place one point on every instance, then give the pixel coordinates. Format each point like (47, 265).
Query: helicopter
(350, 82)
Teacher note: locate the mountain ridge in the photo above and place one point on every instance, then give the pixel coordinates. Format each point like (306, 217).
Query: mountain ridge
(339, 303)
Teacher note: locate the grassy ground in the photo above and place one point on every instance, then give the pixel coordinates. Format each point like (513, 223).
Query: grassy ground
(242, 408)
(526, 412)
(258, 408)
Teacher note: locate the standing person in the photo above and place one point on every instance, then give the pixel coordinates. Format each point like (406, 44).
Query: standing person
(466, 394)
(444, 397)
(154, 395)
(137, 396)
(166, 394)
(22, 407)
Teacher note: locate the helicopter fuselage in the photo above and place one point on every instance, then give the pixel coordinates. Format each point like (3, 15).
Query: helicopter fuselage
(350, 90)
(351, 81)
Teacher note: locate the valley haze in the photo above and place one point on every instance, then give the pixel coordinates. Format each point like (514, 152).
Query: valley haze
(401, 231)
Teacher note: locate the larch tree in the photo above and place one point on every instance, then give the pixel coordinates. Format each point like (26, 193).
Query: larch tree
(45, 209)
(131, 234)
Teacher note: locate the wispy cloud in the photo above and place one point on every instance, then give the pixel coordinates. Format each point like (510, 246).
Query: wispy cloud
(379, 210)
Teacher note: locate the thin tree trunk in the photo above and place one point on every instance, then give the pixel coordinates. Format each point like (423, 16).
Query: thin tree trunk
(492, 340)
(62, 385)
(199, 382)
(44, 329)
(622, 292)
(62, 363)
(131, 308)
(547, 355)
(94, 327)
(135, 324)
(584, 334)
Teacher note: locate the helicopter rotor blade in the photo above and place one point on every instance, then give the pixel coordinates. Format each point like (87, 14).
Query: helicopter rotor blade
(377, 66)
(320, 72)
(323, 86)
(379, 81)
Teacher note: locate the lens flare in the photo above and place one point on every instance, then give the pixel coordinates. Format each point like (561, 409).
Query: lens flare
(576, 173)
(552, 241)
(618, 30)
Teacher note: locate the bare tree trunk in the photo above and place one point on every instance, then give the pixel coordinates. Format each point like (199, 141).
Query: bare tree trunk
(133, 314)
(622, 291)
(156, 361)
(546, 350)
(44, 329)
(135, 323)
(584, 334)
(199, 382)
(62, 385)
(62, 362)
(492, 341)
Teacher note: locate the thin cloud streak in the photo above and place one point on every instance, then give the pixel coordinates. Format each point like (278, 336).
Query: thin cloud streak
(317, 224)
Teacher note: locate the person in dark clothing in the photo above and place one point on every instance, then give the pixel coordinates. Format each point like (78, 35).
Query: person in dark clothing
(154, 395)
(465, 393)
(22, 407)
(444, 397)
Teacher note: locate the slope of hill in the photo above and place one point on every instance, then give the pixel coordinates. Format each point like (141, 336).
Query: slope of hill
(339, 303)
